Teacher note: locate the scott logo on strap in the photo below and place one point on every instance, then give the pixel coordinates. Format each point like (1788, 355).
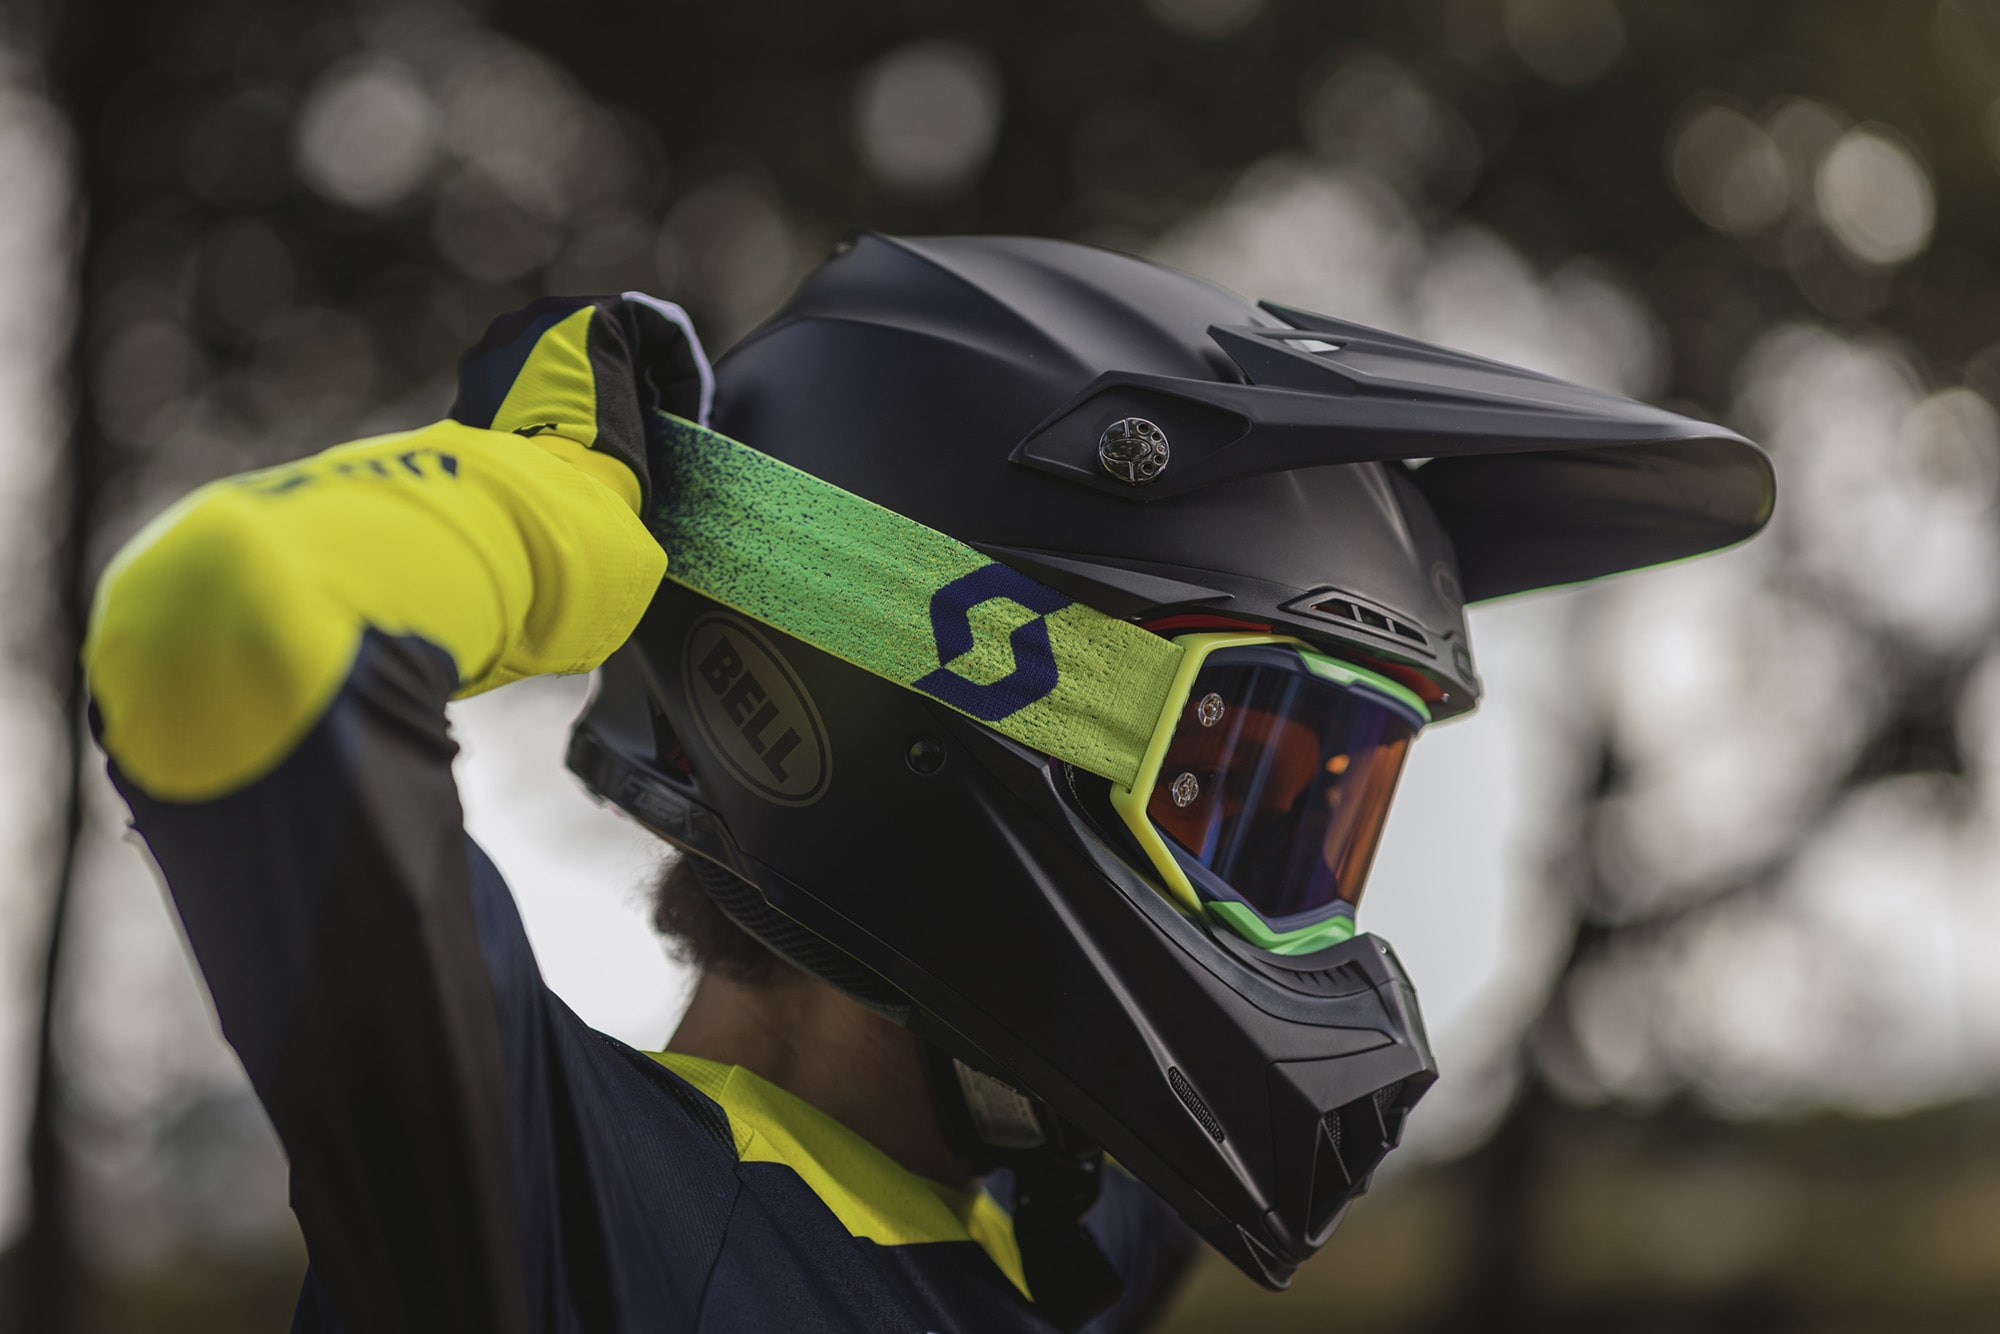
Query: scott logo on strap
(1034, 676)
(754, 712)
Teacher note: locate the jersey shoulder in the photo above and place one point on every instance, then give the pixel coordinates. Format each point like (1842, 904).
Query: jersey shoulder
(829, 1233)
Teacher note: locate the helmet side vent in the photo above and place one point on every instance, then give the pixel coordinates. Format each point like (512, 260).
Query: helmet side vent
(1346, 609)
(1192, 1101)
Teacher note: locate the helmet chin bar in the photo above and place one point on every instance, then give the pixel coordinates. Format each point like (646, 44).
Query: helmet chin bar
(993, 910)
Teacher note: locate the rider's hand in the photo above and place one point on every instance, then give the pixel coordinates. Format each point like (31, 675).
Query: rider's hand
(592, 370)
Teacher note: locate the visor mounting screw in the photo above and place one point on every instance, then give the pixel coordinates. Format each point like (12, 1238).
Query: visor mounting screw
(1209, 712)
(1133, 450)
(926, 755)
(1184, 790)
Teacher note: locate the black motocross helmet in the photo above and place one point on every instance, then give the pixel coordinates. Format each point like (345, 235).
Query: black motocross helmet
(1342, 486)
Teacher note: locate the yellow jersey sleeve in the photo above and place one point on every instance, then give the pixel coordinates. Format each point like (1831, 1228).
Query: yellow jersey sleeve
(223, 630)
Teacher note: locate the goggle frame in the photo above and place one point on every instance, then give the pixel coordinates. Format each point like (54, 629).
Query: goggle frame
(1336, 923)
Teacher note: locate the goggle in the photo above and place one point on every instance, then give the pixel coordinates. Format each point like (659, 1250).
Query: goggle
(1266, 787)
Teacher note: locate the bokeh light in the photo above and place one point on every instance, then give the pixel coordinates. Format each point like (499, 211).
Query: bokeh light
(1569, 42)
(728, 244)
(1700, 903)
(927, 116)
(366, 133)
(1730, 171)
(1875, 197)
(1205, 18)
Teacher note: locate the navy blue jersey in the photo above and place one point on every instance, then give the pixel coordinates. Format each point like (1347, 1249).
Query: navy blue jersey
(466, 1153)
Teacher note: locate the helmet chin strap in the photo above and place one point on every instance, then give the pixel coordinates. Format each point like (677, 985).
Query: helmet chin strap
(1057, 1173)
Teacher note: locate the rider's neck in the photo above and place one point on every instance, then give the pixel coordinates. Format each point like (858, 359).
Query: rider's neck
(846, 1060)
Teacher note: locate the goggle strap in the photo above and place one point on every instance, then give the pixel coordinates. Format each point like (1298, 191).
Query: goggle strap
(908, 603)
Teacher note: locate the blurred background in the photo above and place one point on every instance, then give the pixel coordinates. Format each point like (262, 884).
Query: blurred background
(1705, 903)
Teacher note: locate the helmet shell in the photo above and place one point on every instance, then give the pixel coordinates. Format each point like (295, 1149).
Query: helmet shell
(909, 372)
(990, 900)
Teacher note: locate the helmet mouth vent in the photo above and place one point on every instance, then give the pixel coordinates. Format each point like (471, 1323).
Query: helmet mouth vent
(1352, 1141)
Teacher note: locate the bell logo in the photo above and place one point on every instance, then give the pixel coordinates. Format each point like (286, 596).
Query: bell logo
(754, 712)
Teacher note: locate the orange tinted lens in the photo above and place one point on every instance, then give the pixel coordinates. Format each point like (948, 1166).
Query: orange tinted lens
(1277, 783)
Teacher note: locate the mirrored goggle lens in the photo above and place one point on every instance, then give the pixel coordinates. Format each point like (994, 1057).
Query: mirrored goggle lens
(1277, 782)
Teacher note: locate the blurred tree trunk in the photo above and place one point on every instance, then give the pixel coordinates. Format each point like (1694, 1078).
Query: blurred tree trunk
(93, 49)
(1917, 733)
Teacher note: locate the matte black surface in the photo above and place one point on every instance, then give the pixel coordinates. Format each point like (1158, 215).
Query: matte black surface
(909, 372)
(965, 381)
(1019, 937)
(987, 901)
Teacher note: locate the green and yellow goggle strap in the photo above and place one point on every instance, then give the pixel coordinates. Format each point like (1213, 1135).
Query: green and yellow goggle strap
(837, 571)
(906, 602)
(939, 617)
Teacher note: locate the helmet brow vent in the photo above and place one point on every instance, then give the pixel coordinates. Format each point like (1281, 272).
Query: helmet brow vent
(1192, 1101)
(1345, 609)
(1285, 358)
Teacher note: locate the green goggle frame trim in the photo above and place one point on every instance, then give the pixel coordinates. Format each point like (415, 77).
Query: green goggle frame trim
(787, 549)
(1130, 800)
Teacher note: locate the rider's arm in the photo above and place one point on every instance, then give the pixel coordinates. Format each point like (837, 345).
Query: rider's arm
(226, 627)
(269, 664)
